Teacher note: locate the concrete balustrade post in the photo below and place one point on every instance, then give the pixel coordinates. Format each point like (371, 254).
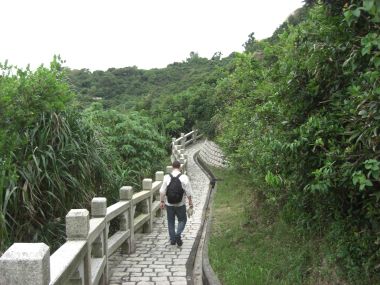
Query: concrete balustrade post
(75, 279)
(169, 169)
(100, 246)
(77, 228)
(124, 226)
(99, 207)
(97, 248)
(158, 177)
(195, 133)
(25, 263)
(147, 205)
(126, 220)
(126, 193)
(183, 140)
(185, 157)
(173, 149)
(182, 161)
(77, 224)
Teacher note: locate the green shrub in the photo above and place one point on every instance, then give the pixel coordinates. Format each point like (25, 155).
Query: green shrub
(303, 119)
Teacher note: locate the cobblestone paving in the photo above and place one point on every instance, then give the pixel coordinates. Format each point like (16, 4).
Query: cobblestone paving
(155, 260)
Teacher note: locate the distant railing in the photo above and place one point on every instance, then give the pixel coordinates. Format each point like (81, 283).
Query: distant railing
(179, 145)
(83, 258)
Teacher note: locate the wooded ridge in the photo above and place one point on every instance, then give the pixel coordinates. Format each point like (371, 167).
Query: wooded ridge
(297, 113)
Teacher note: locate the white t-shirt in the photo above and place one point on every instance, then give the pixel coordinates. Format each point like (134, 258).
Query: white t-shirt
(185, 186)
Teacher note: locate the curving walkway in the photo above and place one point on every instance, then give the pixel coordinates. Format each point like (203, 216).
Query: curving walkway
(155, 260)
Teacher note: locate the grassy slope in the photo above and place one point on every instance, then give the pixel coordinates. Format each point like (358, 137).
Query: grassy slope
(256, 251)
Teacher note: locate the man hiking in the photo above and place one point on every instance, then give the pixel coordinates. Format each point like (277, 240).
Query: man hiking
(172, 191)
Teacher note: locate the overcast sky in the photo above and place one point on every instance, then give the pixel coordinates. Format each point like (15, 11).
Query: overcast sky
(99, 34)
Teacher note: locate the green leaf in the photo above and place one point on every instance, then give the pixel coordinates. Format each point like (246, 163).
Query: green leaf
(356, 12)
(376, 61)
(368, 5)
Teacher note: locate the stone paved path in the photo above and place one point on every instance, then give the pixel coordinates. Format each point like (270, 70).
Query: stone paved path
(155, 260)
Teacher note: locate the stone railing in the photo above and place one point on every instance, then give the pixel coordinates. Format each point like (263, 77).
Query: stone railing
(83, 258)
(179, 145)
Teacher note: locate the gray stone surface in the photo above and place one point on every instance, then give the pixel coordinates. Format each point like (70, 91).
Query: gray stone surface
(212, 154)
(159, 176)
(98, 207)
(25, 263)
(77, 224)
(126, 193)
(155, 260)
(147, 184)
(169, 169)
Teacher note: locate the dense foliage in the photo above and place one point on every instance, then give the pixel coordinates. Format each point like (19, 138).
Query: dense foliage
(53, 158)
(298, 113)
(132, 141)
(302, 114)
(177, 97)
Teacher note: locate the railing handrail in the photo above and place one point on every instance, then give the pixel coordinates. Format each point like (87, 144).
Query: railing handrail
(84, 256)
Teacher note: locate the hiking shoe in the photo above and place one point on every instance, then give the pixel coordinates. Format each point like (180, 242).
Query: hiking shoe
(179, 241)
(172, 242)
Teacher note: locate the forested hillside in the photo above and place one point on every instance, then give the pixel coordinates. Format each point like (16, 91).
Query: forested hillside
(303, 123)
(297, 113)
(54, 157)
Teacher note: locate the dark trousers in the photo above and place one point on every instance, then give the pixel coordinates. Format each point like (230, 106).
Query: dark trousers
(180, 213)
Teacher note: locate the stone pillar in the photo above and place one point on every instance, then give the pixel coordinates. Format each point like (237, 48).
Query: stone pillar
(100, 245)
(169, 169)
(77, 224)
(183, 140)
(195, 133)
(173, 149)
(159, 177)
(99, 207)
(182, 161)
(147, 186)
(126, 220)
(75, 279)
(77, 228)
(25, 263)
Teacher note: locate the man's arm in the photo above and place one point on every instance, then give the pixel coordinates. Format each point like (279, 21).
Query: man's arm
(163, 193)
(190, 201)
(189, 191)
(162, 201)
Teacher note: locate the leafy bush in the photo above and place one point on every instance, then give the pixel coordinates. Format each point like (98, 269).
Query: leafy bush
(53, 158)
(303, 119)
(49, 157)
(59, 168)
(133, 143)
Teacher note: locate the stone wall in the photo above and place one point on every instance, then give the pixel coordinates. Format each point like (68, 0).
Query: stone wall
(212, 154)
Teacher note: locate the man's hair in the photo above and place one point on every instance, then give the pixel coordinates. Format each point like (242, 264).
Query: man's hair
(176, 164)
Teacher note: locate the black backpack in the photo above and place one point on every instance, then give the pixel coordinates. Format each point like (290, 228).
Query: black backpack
(174, 191)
